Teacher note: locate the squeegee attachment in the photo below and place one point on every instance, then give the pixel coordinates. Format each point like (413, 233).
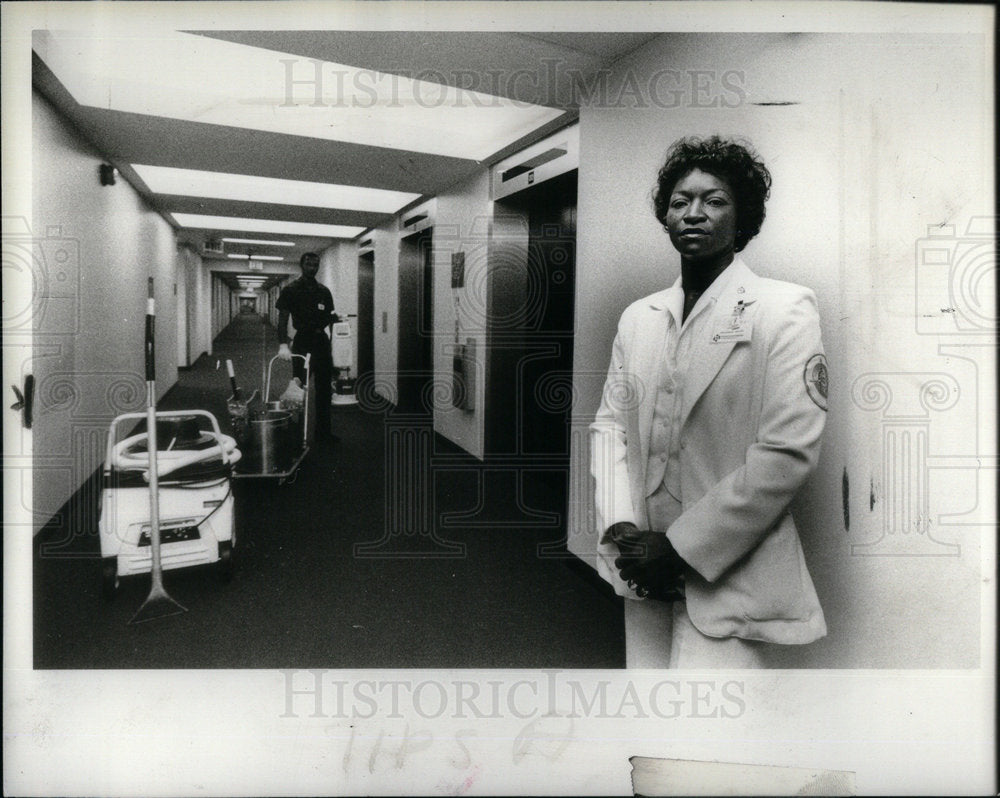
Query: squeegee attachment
(158, 603)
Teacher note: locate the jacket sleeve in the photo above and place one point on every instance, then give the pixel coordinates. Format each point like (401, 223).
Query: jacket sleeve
(283, 313)
(330, 309)
(734, 515)
(609, 441)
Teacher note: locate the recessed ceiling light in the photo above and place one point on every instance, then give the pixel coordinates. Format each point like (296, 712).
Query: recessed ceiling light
(262, 242)
(200, 221)
(248, 188)
(200, 79)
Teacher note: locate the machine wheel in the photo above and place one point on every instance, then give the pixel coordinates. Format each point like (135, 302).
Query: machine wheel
(109, 578)
(225, 566)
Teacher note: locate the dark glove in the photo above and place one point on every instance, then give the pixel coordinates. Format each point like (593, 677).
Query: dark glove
(648, 562)
(335, 319)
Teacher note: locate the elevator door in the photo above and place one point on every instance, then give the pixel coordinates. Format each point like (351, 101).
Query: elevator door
(531, 377)
(416, 295)
(366, 314)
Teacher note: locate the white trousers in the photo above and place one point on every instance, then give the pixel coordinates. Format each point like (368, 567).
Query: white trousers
(660, 635)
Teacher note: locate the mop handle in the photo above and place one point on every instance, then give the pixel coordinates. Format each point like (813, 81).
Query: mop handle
(232, 379)
(150, 335)
(156, 571)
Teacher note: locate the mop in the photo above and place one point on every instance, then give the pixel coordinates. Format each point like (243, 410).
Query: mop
(158, 603)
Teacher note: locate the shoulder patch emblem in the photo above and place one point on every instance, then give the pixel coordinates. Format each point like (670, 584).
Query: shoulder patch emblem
(817, 380)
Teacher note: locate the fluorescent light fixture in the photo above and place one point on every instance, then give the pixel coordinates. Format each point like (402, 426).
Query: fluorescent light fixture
(200, 221)
(255, 257)
(259, 241)
(200, 79)
(248, 188)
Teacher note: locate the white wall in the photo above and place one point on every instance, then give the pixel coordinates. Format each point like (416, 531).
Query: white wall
(183, 311)
(875, 138)
(199, 308)
(98, 245)
(462, 223)
(201, 300)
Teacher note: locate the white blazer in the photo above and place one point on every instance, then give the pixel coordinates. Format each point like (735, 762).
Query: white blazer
(753, 410)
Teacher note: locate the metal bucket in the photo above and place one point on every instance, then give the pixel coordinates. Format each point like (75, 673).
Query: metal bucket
(272, 436)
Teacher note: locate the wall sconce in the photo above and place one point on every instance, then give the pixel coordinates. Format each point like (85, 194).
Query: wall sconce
(107, 173)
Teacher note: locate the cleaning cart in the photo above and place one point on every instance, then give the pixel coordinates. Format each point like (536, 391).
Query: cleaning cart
(274, 434)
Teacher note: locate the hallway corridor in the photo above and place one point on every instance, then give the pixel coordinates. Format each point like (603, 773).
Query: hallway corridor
(459, 571)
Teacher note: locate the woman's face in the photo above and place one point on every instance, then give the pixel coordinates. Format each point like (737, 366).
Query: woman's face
(701, 217)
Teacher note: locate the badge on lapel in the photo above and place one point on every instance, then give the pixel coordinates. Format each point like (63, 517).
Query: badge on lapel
(738, 327)
(817, 380)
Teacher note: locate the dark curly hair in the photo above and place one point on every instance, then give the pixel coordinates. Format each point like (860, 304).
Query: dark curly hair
(732, 161)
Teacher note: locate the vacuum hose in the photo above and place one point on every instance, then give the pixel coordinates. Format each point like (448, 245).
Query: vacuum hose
(168, 461)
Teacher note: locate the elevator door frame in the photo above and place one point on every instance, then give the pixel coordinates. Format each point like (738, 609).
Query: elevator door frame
(366, 314)
(415, 314)
(511, 299)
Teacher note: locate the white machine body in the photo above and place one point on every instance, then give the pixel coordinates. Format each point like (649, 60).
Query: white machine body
(124, 526)
(343, 345)
(196, 513)
(343, 359)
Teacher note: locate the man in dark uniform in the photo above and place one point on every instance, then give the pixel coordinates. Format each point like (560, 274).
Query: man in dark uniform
(311, 307)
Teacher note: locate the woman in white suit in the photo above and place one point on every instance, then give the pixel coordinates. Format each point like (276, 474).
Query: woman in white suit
(709, 424)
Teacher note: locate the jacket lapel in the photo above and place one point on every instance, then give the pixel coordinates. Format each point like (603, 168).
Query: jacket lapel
(647, 365)
(709, 352)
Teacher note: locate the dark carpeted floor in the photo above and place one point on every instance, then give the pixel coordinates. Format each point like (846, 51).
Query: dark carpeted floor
(392, 549)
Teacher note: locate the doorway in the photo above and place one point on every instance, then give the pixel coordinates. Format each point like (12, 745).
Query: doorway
(366, 314)
(415, 363)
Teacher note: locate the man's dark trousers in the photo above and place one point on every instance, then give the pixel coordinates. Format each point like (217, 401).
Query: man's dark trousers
(317, 345)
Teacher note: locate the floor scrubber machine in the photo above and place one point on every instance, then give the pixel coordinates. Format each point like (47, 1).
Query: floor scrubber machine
(166, 496)
(343, 359)
(194, 465)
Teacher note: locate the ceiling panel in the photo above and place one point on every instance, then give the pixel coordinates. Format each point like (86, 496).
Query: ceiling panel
(264, 210)
(540, 68)
(537, 68)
